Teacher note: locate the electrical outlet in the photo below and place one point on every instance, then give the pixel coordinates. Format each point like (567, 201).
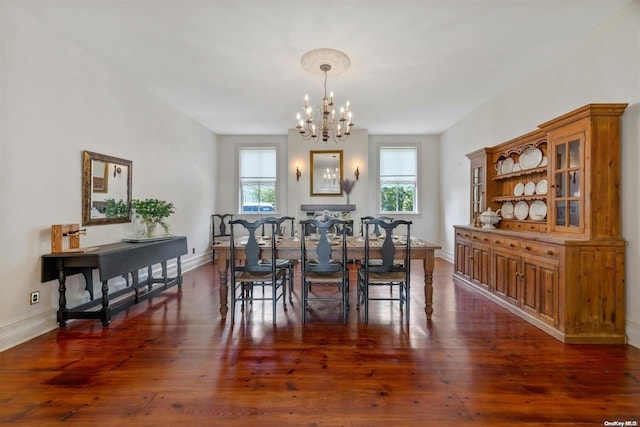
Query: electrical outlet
(35, 297)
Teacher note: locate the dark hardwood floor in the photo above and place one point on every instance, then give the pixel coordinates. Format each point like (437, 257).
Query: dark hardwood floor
(172, 361)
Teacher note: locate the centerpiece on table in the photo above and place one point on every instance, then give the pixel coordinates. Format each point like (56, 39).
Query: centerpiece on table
(152, 212)
(347, 185)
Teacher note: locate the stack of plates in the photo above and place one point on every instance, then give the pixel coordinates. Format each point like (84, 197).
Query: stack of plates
(522, 210)
(530, 188)
(518, 190)
(507, 165)
(541, 187)
(530, 158)
(507, 210)
(538, 210)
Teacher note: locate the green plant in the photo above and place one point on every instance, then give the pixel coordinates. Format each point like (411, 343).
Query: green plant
(115, 209)
(152, 212)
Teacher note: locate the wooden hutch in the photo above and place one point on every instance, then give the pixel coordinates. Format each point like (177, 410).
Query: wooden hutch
(556, 258)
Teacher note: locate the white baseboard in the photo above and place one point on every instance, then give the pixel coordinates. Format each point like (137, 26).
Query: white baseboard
(445, 255)
(26, 328)
(23, 329)
(632, 329)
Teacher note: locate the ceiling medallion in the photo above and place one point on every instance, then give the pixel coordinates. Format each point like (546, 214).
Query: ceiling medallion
(324, 122)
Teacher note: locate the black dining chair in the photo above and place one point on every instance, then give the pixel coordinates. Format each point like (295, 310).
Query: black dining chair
(247, 272)
(376, 232)
(324, 264)
(220, 230)
(387, 271)
(287, 264)
(376, 229)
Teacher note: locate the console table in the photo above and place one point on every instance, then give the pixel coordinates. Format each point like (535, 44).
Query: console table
(114, 260)
(339, 211)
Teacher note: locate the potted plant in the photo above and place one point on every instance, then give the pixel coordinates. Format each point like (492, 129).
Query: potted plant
(115, 209)
(152, 212)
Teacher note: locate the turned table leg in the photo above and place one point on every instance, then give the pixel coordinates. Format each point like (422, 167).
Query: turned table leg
(223, 265)
(429, 265)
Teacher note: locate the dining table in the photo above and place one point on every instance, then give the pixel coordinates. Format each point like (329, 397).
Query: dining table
(290, 248)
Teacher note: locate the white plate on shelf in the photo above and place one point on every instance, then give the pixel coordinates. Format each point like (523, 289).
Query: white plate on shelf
(507, 210)
(516, 168)
(522, 210)
(530, 188)
(538, 210)
(530, 158)
(541, 187)
(507, 165)
(544, 161)
(518, 190)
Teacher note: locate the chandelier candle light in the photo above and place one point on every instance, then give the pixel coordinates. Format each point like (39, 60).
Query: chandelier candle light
(328, 125)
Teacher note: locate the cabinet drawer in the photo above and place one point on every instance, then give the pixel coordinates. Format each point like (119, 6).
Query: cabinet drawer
(481, 238)
(463, 234)
(505, 242)
(540, 249)
(532, 226)
(508, 225)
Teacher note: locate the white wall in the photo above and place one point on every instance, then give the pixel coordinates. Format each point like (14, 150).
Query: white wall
(603, 66)
(58, 100)
(355, 152)
(426, 223)
(227, 176)
(359, 150)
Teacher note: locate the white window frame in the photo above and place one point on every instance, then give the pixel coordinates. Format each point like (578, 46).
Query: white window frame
(415, 180)
(240, 178)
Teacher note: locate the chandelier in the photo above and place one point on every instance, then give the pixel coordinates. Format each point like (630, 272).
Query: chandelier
(325, 122)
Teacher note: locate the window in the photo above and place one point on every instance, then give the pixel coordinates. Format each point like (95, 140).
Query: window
(257, 180)
(398, 179)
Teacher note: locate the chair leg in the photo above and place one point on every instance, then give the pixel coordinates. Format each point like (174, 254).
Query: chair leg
(233, 303)
(291, 267)
(274, 299)
(407, 299)
(304, 301)
(366, 302)
(345, 300)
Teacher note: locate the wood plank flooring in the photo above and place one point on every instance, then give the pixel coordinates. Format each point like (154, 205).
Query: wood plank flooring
(172, 361)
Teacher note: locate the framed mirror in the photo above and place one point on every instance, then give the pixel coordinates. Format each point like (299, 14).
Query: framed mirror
(106, 189)
(326, 173)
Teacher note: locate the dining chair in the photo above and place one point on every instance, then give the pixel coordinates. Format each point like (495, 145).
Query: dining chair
(220, 229)
(376, 232)
(388, 271)
(376, 229)
(287, 264)
(324, 264)
(247, 271)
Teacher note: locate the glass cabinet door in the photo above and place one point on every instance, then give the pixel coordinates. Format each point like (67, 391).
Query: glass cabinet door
(568, 176)
(476, 191)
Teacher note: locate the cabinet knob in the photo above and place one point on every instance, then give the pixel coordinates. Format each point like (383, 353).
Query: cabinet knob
(496, 241)
(527, 248)
(550, 252)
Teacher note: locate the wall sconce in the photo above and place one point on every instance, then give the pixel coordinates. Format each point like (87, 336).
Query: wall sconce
(298, 173)
(116, 170)
(357, 172)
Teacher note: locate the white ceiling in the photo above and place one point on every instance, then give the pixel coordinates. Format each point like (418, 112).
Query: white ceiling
(417, 67)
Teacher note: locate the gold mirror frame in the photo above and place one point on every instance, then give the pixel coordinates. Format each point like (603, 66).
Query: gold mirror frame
(103, 184)
(325, 179)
